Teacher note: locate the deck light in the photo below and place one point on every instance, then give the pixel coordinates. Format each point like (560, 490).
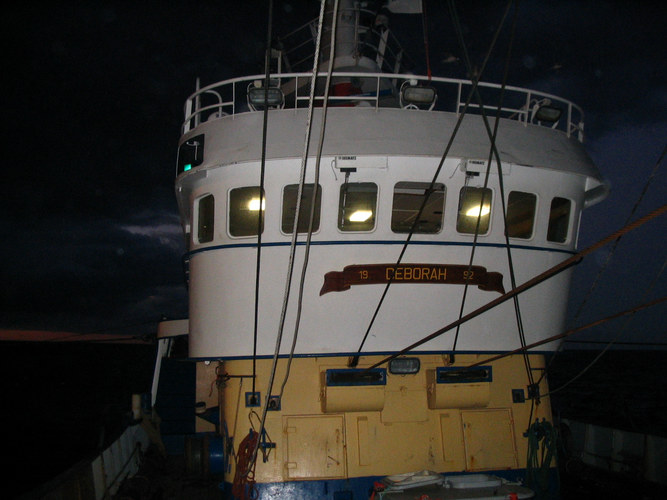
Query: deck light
(544, 111)
(404, 366)
(547, 113)
(258, 97)
(417, 96)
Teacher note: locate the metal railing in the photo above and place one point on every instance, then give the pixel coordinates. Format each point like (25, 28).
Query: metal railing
(377, 43)
(379, 90)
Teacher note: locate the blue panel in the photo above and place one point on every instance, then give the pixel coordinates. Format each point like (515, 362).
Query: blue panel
(356, 377)
(462, 375)
(360, 488)
(339, 489)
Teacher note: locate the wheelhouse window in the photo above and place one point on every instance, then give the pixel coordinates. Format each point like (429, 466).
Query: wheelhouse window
(559, 220)
(244, 210)
(474, 206)
(290, 194)
(521, 214)
(409, 198)
(357, 206)
(205, 218)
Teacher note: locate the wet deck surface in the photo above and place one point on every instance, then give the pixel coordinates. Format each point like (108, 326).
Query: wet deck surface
(166, 478)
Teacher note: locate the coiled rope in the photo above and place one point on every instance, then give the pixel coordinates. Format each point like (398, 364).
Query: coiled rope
(542, 447)
(243, 487)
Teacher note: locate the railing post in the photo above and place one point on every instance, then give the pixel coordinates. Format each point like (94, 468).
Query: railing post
(197, 116)
(188, 113)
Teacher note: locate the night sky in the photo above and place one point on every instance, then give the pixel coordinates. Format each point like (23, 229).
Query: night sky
(93, 95)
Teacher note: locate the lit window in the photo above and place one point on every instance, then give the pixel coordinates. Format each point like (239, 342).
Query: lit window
(244, 212)
(356, 209)
(520, 214)
(205, 218)
(289, 208)
(474, 206)
(408, 199)
(559, 220)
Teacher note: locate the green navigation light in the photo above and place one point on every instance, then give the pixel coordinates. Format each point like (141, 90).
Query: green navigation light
(187, 167)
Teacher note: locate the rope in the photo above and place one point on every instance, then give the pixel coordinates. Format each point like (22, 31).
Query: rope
(425, 29)
(493, 152)
(288, 280)
(528, 284)
(542, 448)
(457, 126)
(260, 215)
(243, 487)
(608, 261)
(569, 332)
(318, 158)
(620, 332)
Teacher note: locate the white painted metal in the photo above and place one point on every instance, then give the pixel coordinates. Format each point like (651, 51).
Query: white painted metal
(383, 145)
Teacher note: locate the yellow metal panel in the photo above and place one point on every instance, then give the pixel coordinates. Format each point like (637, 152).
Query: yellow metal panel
(352, 398)
(452, 441)
(405, 405)
(315, 447)
(489, 439)
(363, 441)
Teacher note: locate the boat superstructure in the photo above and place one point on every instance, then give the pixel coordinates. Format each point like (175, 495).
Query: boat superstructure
(421, 214)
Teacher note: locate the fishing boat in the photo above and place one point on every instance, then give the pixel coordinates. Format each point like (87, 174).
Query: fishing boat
(362, 241)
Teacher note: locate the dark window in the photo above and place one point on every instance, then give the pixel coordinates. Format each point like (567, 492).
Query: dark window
(474, 205)
(521, 214)
(289, 208)
(205, 218)
(356, 208)
(559, 220)
(408, 199)
(190, 154)
(244, 211)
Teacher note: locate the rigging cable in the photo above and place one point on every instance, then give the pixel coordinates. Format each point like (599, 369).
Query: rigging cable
(309, 234)
(610, 253)
(293, 244)
(474, 83)
(567, 333)
(425, 29)
(493, 151)
(620, 332)
(574, 259)
(260, 212)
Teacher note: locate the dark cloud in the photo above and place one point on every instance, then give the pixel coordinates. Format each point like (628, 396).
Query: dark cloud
(93, 96)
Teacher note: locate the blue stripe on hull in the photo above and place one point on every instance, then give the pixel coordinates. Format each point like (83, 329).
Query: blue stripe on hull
(379, 242)
(360, 488)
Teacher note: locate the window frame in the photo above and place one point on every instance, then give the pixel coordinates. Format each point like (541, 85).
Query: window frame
(340, 210)
(305, 210)
(439, 187)
(534, 218)
(460, 207)
(197, 239)
(569, 226)
(229, 213)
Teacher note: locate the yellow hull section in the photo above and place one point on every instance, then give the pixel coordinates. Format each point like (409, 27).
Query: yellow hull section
(408, 424)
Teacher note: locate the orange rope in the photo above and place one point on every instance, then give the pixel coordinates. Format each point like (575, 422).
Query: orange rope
(244, 477)
(425, 28)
